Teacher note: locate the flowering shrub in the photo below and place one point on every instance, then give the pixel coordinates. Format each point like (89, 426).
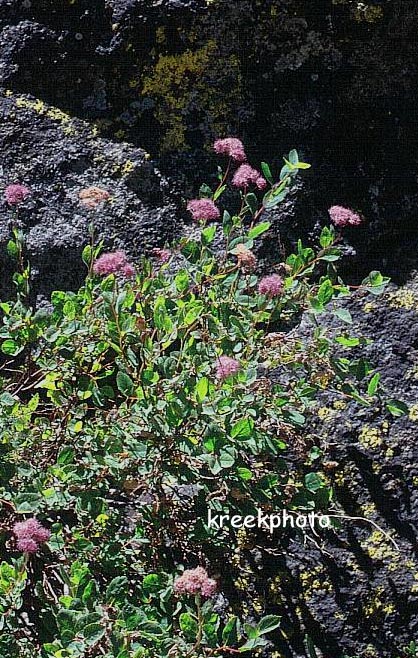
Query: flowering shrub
(137, 405)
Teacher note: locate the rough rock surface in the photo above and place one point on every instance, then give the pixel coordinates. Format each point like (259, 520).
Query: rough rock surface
(326, 77)
(57, 157)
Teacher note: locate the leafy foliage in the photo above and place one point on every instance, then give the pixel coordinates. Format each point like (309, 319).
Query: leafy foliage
(118, 433)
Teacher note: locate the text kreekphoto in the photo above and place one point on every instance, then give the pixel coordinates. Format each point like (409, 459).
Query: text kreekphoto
(271, 522)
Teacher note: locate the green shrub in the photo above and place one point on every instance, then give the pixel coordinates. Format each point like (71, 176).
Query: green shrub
(123, 423)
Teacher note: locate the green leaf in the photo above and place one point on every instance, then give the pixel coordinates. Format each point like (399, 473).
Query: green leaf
(325, 292)
(86, 255)
(243, 429)
(10, 347)
(267, 172)
(66, 455)
(117, 589)
(208, 234)
(373, 384)
(313, 482)
(182, 280)
(7, 399)
(375, 283)
(12, 249)
(188, 625)
(227, 457)
(93, 632)
(293, 157)
(205, 191)
(344, 315)
(252, 202)
(125, 384)
(227, 223)
(219, 192)
(229, 633)
(202, 388)
(268, 623)
(244, 473)
(327, 236)
(258, 230)
(397, 408)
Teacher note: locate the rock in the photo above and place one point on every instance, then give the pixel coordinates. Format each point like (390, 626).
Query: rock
(330, 81)
(56, 157)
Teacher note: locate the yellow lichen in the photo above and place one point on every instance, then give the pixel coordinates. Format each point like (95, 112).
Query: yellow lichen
(367, 13)
(413, 413)
(325, 414)
(370, 437)
(368, 510)
(379, 548)
(403, 298)
(315, 582)
(128, 167)
(192, 82)
(369, 307)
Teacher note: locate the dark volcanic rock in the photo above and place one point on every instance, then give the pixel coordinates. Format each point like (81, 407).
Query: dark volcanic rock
(327, 77)
(56, 157)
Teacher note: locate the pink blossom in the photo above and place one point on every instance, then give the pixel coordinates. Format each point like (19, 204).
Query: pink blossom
(204, 209)
(271, 286)
(30, 534)
(113, 263)
(261, 183)
(27, 545)
(341, 216)
(230, 146)
(15, 194)
(226, 366)
(128, 271)
(246, 175)
(195, 581)
(163, 255)
(246, 258)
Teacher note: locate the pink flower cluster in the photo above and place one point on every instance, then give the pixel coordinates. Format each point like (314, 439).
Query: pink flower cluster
(203, 209)
(113, 263)
(246, 259)
(271, 286)
(341, 216)
(230, 146)
(15, 194)
(30, 535)
(246, 175)
(195, 581)
(163, 255)
(226, 366)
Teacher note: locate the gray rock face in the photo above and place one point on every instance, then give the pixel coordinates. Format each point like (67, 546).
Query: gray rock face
(57, 157)
(328, 78)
